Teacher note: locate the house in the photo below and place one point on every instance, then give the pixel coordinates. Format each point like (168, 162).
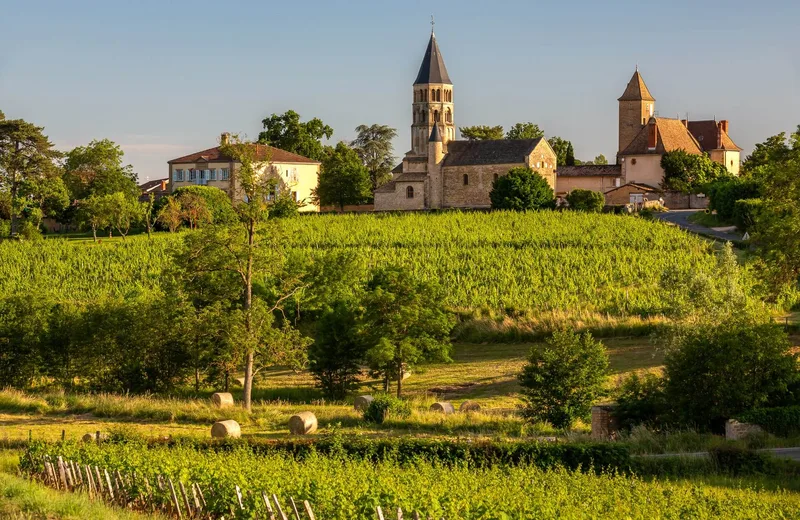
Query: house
(158, 188)
(295, 173)
(442, 172)
(595, 177)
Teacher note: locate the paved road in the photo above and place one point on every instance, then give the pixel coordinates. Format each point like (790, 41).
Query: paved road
(783, 453)
(680, 217)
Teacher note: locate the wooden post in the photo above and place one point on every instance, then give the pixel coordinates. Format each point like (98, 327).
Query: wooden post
(294, 508)
(62, 473)
(175, 499)
(185, 499)
(239, 497)
(380, 513)
(90, 481)
(399, 513)
(63, 435)
(197, 505)
(309, 512)
(110, 487)
(202, 497)
(122, 494)
(149, 496)
(100, 485)
(265, 498)
(279, 508)
(97, 436)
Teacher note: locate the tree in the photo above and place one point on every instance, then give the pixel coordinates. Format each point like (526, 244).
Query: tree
(42, 196)
(776, 149)
(689, 173)
(404, 323)
(97, 169)
(218, 203)
(124, 212)
(563, 379)
(481, 133)
(600, 159)
(343, 179)
(148, 213)
(171, 214)
(521, 190)
(97, 212)
(374, 146)
(26, 156)
(562, 149)
(569, 159)
(524, 131)
(288, 133)
(588, 201)
(194, 209)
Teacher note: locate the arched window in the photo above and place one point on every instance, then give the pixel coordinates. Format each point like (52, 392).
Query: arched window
(496, 176)
(410, 192)
(448, 116)
(435, 116)
(466, 179)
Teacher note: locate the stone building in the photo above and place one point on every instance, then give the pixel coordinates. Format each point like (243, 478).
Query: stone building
(442, 172)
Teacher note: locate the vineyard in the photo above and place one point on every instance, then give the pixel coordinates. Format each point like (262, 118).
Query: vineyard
(507, 262)
(218, 483)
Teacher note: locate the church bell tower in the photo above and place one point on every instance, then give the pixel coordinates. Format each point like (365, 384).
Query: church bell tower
(636, 107)
(433, 101)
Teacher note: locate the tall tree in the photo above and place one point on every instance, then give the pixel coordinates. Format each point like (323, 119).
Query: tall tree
(97, 169)
(288, 133)
(525, 131)
(569, 160)
(689, 173)
(26, 156)
(521, 190)
(343, 179)
(561, 148)
(374, 146)
(481, 133)
(774, 149)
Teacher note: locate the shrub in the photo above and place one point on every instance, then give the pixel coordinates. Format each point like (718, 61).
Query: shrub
(563, 379)
(521, 190)
(723, 194)
(641, 401)
(783, 421)
(385, 406)
(284, 206)
(217, 201)
(336, 356)
(588, 201)
(745, 212)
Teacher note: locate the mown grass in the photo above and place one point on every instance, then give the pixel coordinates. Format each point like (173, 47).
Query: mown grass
(709, 220)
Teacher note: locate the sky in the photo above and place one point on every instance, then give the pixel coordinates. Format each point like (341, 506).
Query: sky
(165, 78)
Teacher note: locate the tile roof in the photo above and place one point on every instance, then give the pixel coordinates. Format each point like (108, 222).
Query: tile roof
(263, 151)
(432, 69)
(590, 170)
(707, 132)
(672, 135)
(398, 168)
(636, 90)
(436, 136)
(638, 186)
(390, 186)
(501, 151)
(152, 185)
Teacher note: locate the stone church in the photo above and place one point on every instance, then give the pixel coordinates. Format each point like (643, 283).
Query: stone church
(442, 172)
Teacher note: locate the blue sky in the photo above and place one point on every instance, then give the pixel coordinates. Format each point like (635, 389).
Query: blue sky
(165, 78)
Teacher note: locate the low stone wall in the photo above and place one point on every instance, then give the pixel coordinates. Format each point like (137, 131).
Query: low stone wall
(352, 208)
(735, 430)
(604, 424)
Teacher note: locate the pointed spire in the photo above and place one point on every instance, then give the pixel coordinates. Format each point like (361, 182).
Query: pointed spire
(432, 69)
(636, 89)
(436, 136)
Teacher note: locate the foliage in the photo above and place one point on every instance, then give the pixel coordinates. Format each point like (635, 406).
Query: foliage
(563, 379)
(97, 169)
(284, 206)
(565, 153)
(724, 192)
(586, 200)
(385, 406)
(288, 133)
(521, 190)
(641, 401)
(745, 213)
(194, 209)
(217, 202)
(690, 173)
(343, 179)
(524, 131)
(171, 214)
(600, 159)
(775, 150)
(782, 421)
(374, 146)
(404, 323)
(481, 133)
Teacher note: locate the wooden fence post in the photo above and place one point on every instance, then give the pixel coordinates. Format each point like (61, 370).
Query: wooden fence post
(278, 506)
(175, 499)
(265, 498)
(380, 513)
(294, 508)
(309, 512)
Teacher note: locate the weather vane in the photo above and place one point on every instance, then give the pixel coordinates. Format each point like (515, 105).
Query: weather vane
(433, 23)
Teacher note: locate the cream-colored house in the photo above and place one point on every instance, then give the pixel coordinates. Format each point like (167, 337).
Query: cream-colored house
(295, 173)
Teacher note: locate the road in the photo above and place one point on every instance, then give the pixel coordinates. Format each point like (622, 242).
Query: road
(680, 217)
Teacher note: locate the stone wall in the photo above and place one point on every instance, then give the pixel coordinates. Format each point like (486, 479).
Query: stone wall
(398, 200)
(676, 200)
(476, 193)
(735, 430)
(604, 424)
(601, 183)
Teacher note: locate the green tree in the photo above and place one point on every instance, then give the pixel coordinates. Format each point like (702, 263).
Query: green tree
(148, 213)
(776, 149)
(521, 190)
(600, 159)
(96, 212)
(689, 173)
(42, 196)
(569, 160)
(563, 378)
(481, 133)
(588, 201)
(97, 169)
(288, 133)
(343, 179)
(171, 214)
(194, 209)
(26, 157)
(216, 201)
(404, 323)
(562, 149)
(524, 131)
(124, 212)
(23, 325)
(374, 146)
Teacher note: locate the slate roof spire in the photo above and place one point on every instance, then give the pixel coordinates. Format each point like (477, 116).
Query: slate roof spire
(436, 136)
(432, 69)
(636, 89)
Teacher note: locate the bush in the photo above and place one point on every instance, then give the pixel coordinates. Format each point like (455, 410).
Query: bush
(641, 401)
(284, 206)
(385, 406)
(586, 200)
(217, 201)
(562, 380)
(521, 190)
(336, 356)
(782, 421)
(723, 194)
(745, 212)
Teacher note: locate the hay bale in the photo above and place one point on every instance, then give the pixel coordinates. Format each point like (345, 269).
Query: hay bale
(222, 399)
(92, 437)
(303, 423)
(226, 429)
(362, 402)
(238, 381)
(469, 406)
(445, 408)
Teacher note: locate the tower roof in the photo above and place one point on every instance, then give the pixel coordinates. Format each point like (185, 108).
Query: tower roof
(636, 89)
(436, 136)
(432, 69)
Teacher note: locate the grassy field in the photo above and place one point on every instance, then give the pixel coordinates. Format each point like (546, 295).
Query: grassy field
(710, 220)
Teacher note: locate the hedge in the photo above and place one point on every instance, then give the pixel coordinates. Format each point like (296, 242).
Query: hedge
(783, 421)
(745, 212)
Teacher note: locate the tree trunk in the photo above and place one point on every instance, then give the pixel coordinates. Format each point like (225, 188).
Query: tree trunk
(197, 379)
(94, 233)
(386, 382)
(14, 190)
(399, 379)
(248, 303)
(109, 233)
(227, 381)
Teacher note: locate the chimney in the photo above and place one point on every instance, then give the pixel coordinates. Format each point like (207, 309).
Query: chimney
(724, 125)
(720, 130)
(164, 185)
(225, 138)
(652, 135)
(685, 122)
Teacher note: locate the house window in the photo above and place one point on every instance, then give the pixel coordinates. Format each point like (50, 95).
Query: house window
(212, 176)
(410, 192)
(225, 174)
(202, 175)
(178, 176)
(466, 179)
(192, 175)
(633, 161)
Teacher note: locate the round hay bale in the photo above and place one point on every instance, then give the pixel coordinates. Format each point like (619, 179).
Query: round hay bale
(238, 381)
(92, 437)
(445, 408)
(406, 374)
(226, 429)
(303, 423)
(362, 402)
(469, 406)
(222, 399)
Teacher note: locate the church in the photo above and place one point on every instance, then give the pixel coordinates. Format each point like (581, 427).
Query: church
(442, 172)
